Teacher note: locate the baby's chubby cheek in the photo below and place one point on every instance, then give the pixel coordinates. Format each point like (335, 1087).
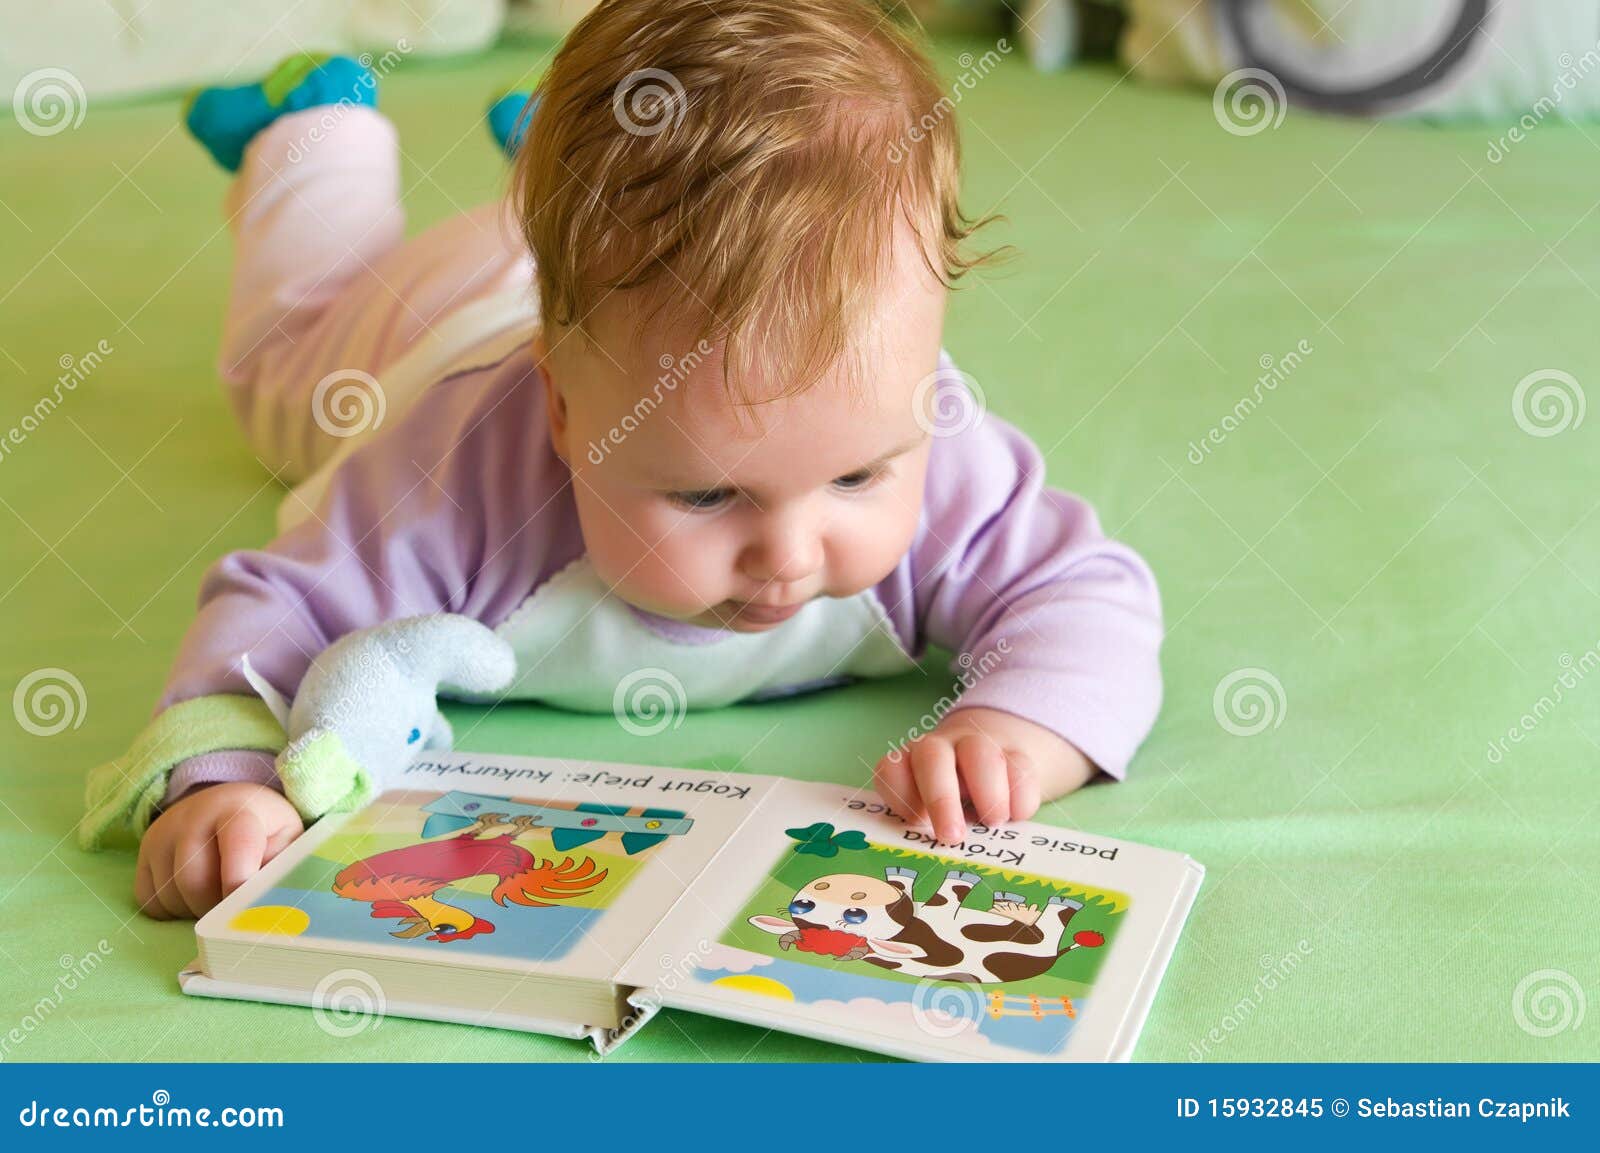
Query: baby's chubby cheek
(866, 544)
(642, 551)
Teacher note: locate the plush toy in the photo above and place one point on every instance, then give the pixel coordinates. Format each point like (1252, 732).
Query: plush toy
(368, 702)
(365, 705)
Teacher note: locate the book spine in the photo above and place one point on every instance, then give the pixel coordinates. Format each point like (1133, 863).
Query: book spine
(642, 1008)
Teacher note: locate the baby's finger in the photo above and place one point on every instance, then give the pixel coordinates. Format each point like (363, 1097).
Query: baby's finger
(933, 767)
(241, 849)
(1024, 786)
(167, 894)
(144, 890)
(893, 781)
(983, 774)
(195, 874)
(281, 839)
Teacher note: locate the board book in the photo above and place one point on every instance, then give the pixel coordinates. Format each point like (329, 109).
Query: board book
(577, 899)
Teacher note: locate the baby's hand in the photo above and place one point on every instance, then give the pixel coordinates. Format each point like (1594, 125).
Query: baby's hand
(208, 844)
(997, 765)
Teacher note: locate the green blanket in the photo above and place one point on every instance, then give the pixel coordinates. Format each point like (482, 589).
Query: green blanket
(1285, 367)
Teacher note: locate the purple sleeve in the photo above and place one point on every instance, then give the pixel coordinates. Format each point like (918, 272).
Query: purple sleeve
(1051, 621)
(460, 507)
(253, 765)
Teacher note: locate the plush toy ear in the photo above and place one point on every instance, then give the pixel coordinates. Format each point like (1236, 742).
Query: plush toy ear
(456, 653)
(276, 704)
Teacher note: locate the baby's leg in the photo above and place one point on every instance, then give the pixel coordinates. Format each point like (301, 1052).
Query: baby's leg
(324, 285)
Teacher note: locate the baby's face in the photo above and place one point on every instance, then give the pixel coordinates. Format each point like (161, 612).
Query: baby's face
(696, 510)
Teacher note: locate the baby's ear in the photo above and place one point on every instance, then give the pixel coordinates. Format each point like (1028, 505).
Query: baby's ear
(555, 406)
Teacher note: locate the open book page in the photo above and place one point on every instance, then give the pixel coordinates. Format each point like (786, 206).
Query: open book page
(829, 916)
(496, 862)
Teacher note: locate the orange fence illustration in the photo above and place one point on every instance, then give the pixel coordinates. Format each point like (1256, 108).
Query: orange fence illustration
(1019, 1005)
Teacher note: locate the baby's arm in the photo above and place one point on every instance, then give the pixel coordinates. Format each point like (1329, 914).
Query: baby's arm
(1057, 628)
(451, 511)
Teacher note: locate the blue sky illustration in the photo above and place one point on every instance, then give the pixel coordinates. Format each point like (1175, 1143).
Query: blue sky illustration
(815, 983)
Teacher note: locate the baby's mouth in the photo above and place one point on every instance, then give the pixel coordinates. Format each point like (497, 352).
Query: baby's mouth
(745, 612)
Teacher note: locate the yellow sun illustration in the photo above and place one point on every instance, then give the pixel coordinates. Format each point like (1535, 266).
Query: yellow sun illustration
(281, 919)
(751, 983)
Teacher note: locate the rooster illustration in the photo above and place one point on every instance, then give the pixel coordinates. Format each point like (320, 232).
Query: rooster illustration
(401, 882)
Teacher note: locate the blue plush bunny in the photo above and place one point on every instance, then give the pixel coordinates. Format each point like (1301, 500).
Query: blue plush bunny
(369, 702)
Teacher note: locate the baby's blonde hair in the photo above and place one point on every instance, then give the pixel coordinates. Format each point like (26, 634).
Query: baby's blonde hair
(747, 162)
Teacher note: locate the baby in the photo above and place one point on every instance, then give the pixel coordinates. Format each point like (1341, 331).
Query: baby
(680, 404)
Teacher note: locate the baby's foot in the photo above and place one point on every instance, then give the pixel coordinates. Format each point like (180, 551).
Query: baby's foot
(509, 118)
(225, 120)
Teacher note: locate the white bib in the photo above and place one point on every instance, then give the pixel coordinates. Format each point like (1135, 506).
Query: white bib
(579, 647)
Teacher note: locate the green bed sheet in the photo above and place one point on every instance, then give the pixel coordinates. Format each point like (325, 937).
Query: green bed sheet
(1374, 566)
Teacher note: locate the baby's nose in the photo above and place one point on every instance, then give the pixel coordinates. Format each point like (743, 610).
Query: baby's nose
(783, 555)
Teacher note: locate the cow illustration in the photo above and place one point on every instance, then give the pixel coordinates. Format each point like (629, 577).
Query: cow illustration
(859, 918)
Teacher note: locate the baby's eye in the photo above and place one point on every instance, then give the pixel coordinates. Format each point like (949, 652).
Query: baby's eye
(701, 501)
(416, 735)
(859, 479)
(799, 907)
(855, 916)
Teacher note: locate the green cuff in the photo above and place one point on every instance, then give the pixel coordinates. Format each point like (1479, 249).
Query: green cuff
(318, 775)
(124, 793)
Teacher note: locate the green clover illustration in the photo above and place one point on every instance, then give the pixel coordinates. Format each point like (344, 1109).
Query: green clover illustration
(820, 840)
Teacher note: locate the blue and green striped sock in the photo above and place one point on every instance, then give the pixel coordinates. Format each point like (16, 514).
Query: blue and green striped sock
(509, 117)
(225, 120)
